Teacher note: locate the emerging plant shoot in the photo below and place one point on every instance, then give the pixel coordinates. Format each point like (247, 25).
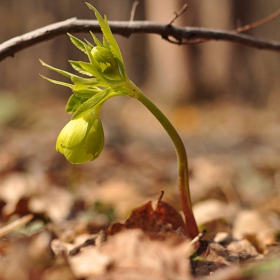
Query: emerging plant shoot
(82, 139)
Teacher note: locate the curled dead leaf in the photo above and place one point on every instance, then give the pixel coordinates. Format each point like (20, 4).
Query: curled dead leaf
(157, 223)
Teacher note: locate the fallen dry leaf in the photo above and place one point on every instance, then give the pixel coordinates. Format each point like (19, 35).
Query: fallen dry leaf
(132, 250)
(157, 223)
(55, 204)
(169, 214)
(252, 222)
(90, 262)
(144, 218)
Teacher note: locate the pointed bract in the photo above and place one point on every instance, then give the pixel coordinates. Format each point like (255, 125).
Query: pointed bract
(62, 72)
(76, 66)
(96, 41)
(107, 34)
(57, 82)
(77, 42)
(74, 102)
(94, 102)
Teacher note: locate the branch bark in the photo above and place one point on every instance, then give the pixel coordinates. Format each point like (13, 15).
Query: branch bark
(180, 35)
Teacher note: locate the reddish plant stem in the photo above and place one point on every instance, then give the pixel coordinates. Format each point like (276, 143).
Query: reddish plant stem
(191, 228)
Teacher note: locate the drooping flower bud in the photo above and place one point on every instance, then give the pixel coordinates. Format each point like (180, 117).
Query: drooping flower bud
(81, 139)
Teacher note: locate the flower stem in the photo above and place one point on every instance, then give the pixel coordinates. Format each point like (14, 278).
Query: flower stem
(183, 180)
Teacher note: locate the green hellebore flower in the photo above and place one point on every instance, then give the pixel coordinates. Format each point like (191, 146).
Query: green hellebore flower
(81, 139)
(107, 63)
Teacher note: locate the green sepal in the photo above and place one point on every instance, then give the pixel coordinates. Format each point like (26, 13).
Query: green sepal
(95, 141)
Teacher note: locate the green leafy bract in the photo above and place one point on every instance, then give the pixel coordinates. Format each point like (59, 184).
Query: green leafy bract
(62, 72)
(90, 45)
(86, 93)
(76, 66)
(84, 82)
(96, 41)
(95, 101)
(58, 82)
(74, 102)
(78, 43)
(90, 68)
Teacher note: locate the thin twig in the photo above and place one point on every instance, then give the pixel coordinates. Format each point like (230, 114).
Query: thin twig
(258, 23)
(183, 9)
(159, 199)
(17, 223)
(126, 28)
(133, 10)
(160, 196)
(198, 237)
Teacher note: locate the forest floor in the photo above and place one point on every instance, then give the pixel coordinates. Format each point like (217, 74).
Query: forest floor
(63, 221)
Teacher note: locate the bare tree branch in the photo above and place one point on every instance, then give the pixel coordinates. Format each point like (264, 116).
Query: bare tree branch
(126, 28)
(241, 29)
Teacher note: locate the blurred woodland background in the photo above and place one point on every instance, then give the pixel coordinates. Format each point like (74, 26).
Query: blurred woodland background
(201, 72)
(223, 98)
